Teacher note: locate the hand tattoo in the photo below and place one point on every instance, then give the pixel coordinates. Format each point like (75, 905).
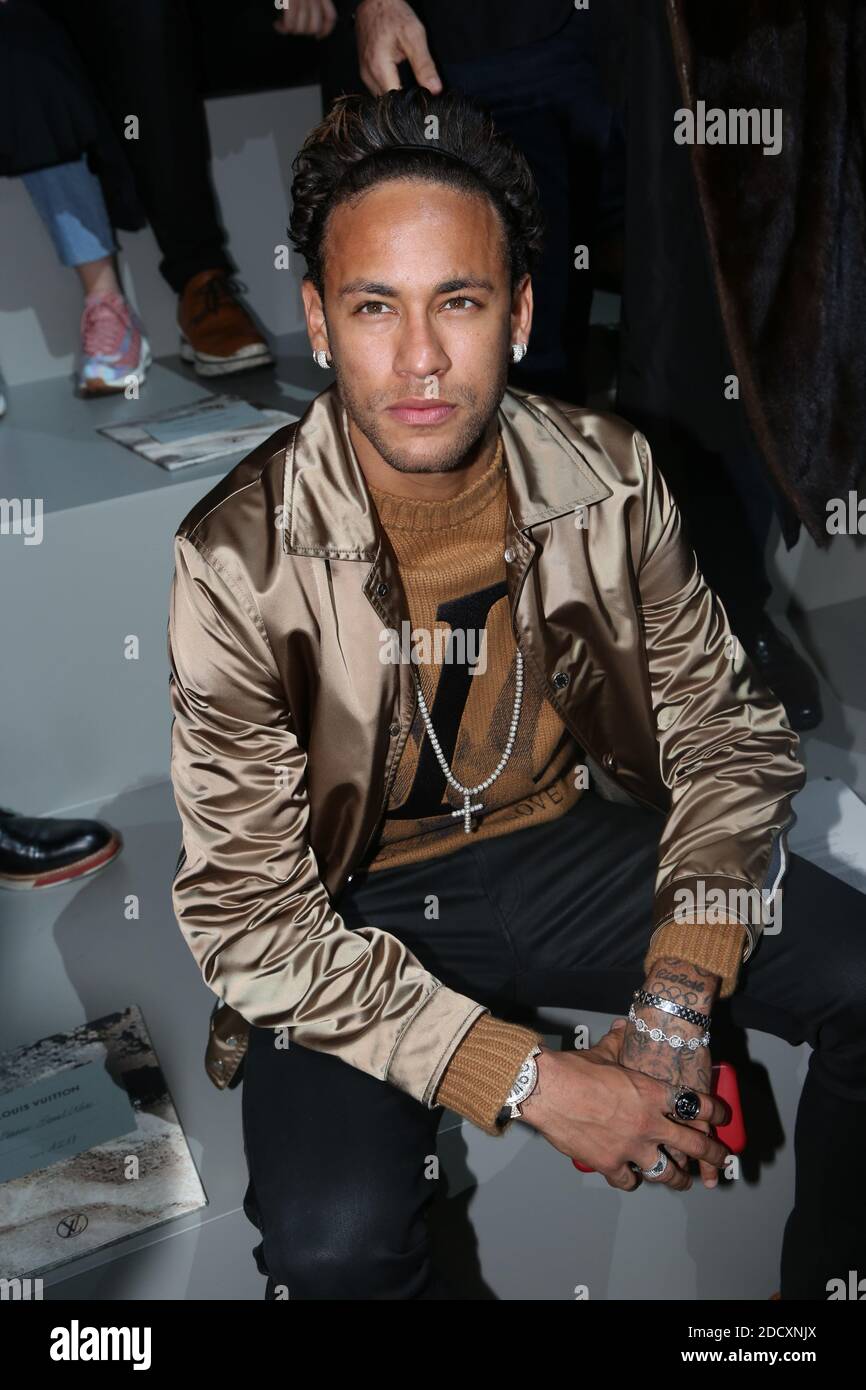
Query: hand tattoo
(684, 983)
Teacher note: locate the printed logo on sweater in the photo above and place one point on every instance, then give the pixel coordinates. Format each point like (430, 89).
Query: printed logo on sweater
(427, 795)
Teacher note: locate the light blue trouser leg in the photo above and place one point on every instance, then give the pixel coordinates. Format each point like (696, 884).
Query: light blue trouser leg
(68, 198)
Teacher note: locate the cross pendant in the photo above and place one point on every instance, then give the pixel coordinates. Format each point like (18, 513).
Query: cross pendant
(467, 812)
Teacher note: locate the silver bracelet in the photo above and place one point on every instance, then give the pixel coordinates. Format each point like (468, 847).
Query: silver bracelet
(675, 1040)
(658, 1001)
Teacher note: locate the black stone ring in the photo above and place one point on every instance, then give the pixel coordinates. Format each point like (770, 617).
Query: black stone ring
(687, 1104)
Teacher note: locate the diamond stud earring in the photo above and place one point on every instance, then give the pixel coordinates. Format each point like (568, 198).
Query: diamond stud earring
(322, 358)
(518, 352)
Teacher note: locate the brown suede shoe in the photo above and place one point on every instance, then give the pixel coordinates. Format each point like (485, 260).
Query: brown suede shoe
(216, 333)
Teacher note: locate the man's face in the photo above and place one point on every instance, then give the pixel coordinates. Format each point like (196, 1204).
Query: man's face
(418, 308)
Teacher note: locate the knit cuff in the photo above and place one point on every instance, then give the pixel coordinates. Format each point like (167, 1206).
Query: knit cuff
(483, 1068)
(717, 948)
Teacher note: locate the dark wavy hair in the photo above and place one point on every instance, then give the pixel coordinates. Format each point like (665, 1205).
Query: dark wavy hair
(353, 149)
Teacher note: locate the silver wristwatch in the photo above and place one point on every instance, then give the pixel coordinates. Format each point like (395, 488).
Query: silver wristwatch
(521, 1090)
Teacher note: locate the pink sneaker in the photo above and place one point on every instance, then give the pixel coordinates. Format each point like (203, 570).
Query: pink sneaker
(114, 349)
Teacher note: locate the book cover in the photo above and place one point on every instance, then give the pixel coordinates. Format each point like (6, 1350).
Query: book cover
(199, 432)
(91, 1147)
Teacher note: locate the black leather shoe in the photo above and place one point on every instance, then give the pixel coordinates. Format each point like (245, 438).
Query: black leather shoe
(787, 674)
(41, 851)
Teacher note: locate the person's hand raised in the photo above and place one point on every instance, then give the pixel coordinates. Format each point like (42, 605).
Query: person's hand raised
(389, 33)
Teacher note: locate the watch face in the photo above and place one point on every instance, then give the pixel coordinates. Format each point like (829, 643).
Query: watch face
(525, 1079)
(524, 1075)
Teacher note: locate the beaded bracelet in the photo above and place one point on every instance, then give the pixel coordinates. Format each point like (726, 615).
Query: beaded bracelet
(675, 1040)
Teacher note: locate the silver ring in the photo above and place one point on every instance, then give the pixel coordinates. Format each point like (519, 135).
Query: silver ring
(657, 1169)
(687, 1104)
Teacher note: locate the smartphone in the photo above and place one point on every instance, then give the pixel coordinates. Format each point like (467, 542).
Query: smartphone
(723, 1083)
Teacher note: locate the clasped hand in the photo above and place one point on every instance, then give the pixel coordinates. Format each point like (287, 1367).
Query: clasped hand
(598, 1107)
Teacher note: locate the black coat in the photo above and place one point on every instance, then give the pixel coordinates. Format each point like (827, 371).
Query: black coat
(749, 262)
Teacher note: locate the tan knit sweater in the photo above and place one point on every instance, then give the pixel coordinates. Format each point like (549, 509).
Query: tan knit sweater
(451, 560)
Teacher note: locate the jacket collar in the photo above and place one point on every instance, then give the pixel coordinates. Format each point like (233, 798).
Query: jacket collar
(328, 508)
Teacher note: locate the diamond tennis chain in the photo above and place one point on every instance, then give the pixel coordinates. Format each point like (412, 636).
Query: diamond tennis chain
(468, 809)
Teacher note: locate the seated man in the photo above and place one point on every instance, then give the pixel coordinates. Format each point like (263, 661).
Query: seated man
(459, 729)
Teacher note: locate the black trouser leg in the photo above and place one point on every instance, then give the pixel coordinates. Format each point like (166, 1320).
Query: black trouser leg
(142, 56)
(339, 1177)
(821, 1240)
(548, 98)
(556, 914)
(341, 1165)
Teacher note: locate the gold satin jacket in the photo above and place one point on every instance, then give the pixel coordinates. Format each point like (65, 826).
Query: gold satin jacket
(287, 727)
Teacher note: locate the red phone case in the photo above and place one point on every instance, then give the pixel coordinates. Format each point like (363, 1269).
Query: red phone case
(723, 1083)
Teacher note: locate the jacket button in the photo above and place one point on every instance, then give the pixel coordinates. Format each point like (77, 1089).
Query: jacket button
(381, 590)
(232, 1041)
(509, 556)
(561, 679)
(393, 730)
(219, 1064)
(609, 761)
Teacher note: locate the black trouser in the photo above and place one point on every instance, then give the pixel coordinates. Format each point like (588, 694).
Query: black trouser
(558, 915)
(549, 98)
(142, 57)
